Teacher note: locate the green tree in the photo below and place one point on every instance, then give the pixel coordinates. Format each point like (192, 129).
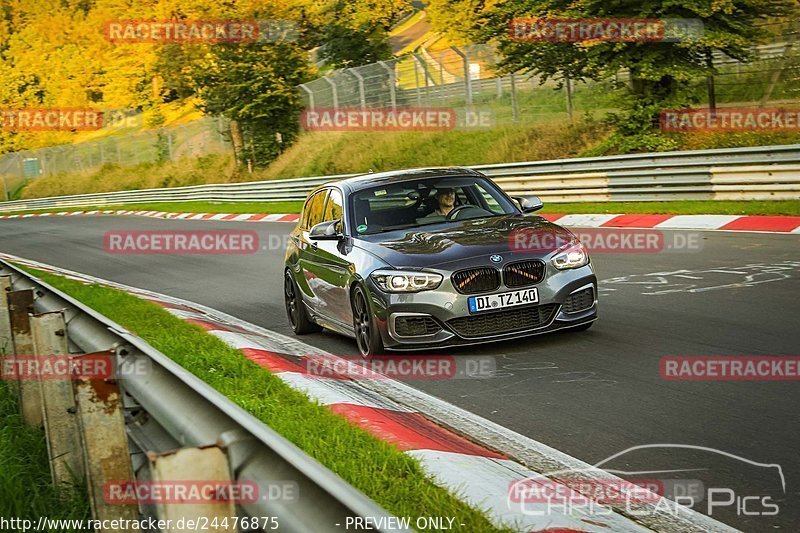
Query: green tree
(660, 72)
(351, 33)
(347, 47)
(255, 86)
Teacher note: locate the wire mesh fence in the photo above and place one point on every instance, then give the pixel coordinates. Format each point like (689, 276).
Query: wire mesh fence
(467, 78)
(205, 136)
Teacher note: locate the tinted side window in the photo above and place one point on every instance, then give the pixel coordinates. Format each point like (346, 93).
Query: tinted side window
(315, 209)
(333, 209)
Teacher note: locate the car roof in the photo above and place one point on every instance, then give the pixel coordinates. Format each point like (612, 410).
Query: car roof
(362, 181)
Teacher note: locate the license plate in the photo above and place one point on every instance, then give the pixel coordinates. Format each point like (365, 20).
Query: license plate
(492, 302)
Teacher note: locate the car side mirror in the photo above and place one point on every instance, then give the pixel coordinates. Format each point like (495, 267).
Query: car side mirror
(529, 204)
(326, 231)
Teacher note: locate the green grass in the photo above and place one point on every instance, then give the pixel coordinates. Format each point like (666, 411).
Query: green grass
(212, 168)
(382, 472)
(327, 153)
(683, 207)
(26, 490)
(677, 207)
(182, 207)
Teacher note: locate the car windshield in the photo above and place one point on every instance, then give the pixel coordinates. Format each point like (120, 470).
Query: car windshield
(414, 203)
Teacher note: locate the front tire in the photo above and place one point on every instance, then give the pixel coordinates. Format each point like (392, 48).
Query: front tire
(295, 308)
(368, 338)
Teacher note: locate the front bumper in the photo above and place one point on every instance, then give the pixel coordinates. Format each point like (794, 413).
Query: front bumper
(445, 306)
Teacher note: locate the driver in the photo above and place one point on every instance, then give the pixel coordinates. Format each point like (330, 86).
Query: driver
(446, 197)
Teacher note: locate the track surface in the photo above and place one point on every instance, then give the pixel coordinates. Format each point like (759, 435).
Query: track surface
(592, 394)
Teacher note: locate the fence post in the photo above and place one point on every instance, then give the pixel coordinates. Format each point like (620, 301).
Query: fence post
(49, 335)
(421, 63)
(220, 129)
(467, 80)
(392, 88)
(499, 87)
(192, 465)
(416, 82)
(333, 89)
(20, 304)
(441, 80)
(361, 97)
(310, 94)
(514, 108)
(568, 87)
(5, 187)
(105, 442)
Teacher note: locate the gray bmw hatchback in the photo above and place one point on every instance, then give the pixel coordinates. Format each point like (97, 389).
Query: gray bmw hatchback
(430, 258)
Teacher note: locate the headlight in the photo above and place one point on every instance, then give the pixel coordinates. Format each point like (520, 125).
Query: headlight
(400, 281)
(572, 255)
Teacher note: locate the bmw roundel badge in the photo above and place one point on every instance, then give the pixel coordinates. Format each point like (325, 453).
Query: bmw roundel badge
(496, 258)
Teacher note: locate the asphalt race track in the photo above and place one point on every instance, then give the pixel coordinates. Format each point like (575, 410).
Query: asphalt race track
(592, 394)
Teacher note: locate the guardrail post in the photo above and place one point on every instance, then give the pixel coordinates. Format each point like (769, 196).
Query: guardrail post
(49, 334)
(20, 304)
(193, 465)
(6, 341)
(105, 442)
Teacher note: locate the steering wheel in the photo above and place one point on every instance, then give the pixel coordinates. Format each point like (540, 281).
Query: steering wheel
(453, 212)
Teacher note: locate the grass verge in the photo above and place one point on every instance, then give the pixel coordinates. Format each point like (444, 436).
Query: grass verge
(378, 469)
(683, 207)
(26, 490)
(183, 207)
(677, 207)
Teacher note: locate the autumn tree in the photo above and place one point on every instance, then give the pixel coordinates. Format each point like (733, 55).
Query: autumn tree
(255, 86)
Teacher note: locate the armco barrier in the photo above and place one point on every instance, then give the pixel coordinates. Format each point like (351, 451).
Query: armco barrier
(162, 412)
(753, 173)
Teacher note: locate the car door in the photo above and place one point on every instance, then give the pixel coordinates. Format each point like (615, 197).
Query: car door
(328, 260)
(309, 269)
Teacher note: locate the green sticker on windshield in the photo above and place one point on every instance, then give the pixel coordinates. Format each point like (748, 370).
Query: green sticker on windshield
(362, 228)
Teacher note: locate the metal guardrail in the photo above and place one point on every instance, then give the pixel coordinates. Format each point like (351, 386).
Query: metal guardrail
(764, 172)
(168, 408)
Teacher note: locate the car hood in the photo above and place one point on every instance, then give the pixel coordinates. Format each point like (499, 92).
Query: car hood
(438, 245)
